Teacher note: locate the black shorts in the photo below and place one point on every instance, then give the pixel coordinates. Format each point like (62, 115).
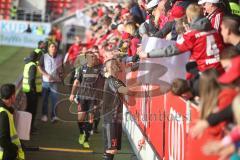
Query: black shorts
(86, 106)
(112, 135)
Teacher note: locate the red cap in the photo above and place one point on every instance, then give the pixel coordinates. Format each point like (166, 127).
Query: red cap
(233, 73)
(178, 11)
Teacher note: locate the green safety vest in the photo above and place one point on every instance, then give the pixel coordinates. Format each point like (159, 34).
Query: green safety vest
(37, 50)
(38, 79)
(13, 135)
(235, 8)
(40, 31)
(13, 12)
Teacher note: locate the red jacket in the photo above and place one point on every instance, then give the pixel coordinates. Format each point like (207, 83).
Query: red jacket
(225, 97)
(205, 48)
(216, 19)
(91, 42)
(73, 52)
(103, 38)
(133, 44)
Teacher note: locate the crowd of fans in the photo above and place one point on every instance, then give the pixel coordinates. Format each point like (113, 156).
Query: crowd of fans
(209, 29)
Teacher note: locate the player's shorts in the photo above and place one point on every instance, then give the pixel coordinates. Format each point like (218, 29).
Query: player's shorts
(86, 106)
(112, 135)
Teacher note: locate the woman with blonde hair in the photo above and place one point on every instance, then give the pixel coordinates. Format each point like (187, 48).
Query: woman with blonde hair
(213, 98)
(130, 28)
(209, 91)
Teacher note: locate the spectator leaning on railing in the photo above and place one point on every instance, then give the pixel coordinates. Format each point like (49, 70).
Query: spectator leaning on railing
(231, 77)
(204, 43)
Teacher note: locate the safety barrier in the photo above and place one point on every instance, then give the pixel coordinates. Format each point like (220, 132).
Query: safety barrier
(164, 122)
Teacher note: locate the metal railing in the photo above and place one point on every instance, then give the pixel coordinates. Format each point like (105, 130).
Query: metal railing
(32, 15)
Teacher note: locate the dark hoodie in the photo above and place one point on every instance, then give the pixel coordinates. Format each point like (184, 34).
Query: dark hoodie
(10, 149)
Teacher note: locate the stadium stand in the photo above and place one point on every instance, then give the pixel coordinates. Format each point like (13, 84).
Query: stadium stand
(5, 8)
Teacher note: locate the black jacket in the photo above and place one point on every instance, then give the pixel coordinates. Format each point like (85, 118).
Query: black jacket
(10, 149)
(224, 115)
(167, 28)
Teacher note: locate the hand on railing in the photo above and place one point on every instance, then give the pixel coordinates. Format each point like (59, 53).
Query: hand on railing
(216, 148)
(198, 129)
(141, 143)
(141, 53)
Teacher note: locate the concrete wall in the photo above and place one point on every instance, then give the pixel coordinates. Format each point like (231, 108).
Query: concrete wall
(33, 5)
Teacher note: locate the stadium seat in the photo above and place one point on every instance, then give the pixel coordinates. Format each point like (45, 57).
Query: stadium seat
(5, 6)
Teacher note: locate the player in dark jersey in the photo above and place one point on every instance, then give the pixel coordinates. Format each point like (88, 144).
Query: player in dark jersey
(85, 86)
(114, 89)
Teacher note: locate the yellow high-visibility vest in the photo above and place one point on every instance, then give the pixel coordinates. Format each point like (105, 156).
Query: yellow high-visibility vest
(235, 8)
(13, 135)
(40, 31)
(13, 12)
(38, 79)
(37, 50)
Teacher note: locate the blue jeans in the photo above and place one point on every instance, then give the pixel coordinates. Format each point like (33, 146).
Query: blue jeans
(49, 89)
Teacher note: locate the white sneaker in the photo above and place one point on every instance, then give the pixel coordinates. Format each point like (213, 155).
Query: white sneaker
(91, 132)
(54, 119)
(44, 118)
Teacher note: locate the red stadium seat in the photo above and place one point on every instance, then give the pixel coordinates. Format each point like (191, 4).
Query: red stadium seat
(67, 5)
(7, 12)
(6, 17)
(60, 4)
(60, 11)
(7, 6)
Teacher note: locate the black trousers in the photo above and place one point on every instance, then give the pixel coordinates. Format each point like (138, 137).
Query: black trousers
(112, 135)
(32, 102)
